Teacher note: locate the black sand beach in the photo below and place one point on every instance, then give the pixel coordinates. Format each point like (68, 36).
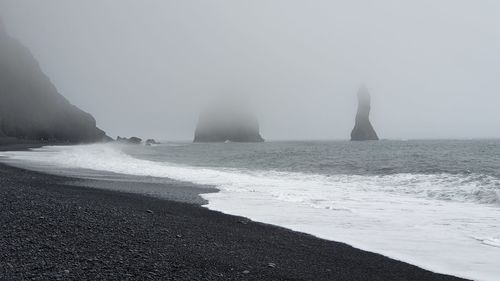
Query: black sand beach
(54, 230)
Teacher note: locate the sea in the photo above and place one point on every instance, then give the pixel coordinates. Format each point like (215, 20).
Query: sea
(431, 203)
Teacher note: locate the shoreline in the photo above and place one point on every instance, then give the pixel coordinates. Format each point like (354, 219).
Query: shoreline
(53, 229)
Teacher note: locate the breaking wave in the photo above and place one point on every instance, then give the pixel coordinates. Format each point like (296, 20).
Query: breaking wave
(445, 222)
(313, 189)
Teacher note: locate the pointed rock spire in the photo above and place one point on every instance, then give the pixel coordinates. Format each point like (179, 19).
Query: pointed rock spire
(363, 129)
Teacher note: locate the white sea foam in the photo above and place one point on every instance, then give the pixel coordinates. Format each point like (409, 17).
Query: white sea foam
(433, 221)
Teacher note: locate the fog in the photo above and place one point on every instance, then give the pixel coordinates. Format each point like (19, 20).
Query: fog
(147, 68)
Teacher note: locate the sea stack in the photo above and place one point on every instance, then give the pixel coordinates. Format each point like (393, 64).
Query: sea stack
(229, 122)
(363, 129)
(31, 109)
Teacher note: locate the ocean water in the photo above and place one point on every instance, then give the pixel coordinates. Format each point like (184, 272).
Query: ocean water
(435, 204)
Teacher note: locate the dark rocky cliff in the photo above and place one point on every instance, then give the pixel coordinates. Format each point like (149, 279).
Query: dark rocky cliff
(227, 123)
(363, 129)
(30, 106)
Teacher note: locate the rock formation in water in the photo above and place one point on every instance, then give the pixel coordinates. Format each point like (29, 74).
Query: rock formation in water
(150, 142)
(363, 129)
(30, 106)
(230, 122)
(131, 140)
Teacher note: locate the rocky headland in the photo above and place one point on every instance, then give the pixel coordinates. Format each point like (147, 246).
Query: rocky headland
(31, 109)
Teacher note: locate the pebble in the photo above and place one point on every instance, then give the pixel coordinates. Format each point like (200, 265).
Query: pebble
(30, 253)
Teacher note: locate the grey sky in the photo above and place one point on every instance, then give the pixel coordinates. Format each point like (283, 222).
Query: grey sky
(147, 67)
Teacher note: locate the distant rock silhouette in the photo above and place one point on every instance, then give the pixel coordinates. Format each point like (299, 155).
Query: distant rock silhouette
(30, 106)
(363, 129)
(230, 122)
(151, 142)
(131, 140)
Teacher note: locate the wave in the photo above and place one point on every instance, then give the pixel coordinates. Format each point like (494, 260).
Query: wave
(443, 222)
(315, 190)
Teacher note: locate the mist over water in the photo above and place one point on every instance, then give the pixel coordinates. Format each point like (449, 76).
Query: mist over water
(149, 68)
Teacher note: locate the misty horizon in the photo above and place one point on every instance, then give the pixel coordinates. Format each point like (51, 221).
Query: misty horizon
(148, 70)
(250, 140)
